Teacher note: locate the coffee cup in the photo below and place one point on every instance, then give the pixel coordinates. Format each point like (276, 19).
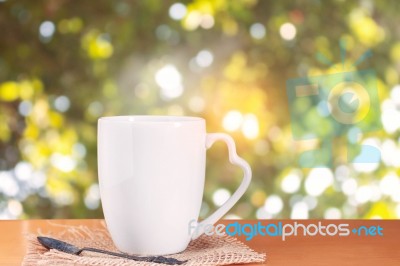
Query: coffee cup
(151, 177)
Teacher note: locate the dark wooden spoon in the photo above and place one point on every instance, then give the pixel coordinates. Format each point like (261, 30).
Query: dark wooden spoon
(51, 243)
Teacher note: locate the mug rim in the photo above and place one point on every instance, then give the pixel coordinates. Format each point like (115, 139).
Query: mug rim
(150, 119)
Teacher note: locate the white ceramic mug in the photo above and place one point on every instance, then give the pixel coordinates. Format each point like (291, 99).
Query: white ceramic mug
(151, 175)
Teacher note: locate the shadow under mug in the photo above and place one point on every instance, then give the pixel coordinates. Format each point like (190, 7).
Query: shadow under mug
(151, 175)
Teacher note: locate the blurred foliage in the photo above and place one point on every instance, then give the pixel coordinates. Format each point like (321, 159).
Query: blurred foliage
(65, 63)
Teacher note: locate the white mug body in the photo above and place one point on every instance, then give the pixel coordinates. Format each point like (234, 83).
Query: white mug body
(151, 176)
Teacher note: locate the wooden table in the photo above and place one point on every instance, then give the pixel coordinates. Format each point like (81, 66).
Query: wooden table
(300, 250)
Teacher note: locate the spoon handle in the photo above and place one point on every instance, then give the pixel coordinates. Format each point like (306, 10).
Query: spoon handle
(156, 259)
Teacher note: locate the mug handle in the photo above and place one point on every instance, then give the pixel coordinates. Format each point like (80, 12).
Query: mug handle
(236, 160)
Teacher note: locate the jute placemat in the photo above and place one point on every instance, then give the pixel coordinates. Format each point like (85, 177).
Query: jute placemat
(206, 250)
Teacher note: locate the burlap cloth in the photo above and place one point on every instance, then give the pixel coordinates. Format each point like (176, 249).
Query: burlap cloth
(206, 250)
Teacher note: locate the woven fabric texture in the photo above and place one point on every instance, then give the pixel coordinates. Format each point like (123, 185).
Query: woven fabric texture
(206, 250)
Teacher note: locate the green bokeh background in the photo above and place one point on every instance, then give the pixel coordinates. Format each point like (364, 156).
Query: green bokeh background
(63, 64)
